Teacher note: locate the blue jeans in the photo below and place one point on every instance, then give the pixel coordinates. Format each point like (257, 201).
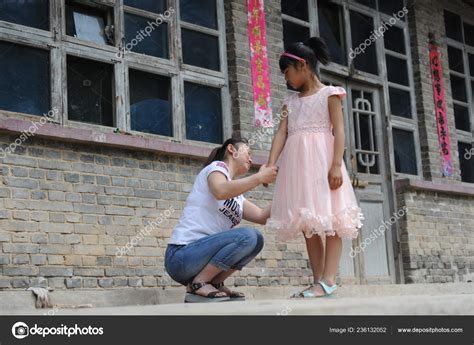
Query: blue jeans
(232, 249)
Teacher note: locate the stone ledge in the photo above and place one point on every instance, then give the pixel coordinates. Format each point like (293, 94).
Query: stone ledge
(460, 188)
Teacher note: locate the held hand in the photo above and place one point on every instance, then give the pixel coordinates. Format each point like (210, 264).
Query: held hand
(335, 177)
(267, 174)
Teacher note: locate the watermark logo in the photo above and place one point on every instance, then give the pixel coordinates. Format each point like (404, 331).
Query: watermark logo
(469, 154)
(20, 330)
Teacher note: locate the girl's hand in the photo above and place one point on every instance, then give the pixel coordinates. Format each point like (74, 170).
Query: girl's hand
(267, 174)
(335, 177)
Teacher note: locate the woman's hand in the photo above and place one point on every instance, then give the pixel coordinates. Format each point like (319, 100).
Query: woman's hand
(267, 174)
(335, 176)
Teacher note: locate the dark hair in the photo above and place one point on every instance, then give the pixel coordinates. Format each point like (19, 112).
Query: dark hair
(312, 50)
(218, 154)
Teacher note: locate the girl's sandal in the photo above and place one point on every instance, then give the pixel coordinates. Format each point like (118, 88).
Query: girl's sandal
(193, 297)
(300, 293)
(233, 295)
(328, 291)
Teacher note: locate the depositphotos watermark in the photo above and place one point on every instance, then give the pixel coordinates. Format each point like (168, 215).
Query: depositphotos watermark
(21, 330)
(144, 33)
(30, 132)
(387, 225)
(469, 153)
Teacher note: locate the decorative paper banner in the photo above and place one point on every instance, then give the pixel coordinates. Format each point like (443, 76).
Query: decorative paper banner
(440, 107)
(259, 63)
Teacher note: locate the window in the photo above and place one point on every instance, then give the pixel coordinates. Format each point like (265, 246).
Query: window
(404, 151)
(30, 13)
(461, 73)
(156, 6)
(150, 103)
(156, 44)
(331, 29)
(362, 27)
(296, 21)
(202, 13)
(24, 85)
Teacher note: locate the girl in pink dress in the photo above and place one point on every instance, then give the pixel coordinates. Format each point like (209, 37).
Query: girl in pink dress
(313, 193)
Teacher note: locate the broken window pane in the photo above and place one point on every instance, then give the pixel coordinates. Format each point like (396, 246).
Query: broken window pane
(93, 24)
(404, 150)
(332, 30)
(205, 54)
(361, 28)
(452, 23)
(25, 80)
(150, 103)
(203, 107)
(90, 91)
(295, 8)
(466, 161)
(294, 33)
(28, 13)
(458, 88)
(153, 41)
(400, 103)
(397, 70)
(394, 39)
(157, 6)
(455, 59)
(203, 12)
(461, 116)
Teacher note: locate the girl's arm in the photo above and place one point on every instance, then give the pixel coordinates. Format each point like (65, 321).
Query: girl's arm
(255, 214)
(337, 119)
(222, 189)
(280, 139)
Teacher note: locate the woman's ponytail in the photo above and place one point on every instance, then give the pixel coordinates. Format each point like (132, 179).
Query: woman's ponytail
(319, 48)
(218, 154)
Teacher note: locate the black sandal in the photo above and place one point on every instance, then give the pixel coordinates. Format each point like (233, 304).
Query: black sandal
(233, 295)
(193, 297)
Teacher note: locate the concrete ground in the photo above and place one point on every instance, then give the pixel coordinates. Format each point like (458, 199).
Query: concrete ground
(411, 299)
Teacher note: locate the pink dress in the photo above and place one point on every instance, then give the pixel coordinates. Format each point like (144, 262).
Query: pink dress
(303, 201)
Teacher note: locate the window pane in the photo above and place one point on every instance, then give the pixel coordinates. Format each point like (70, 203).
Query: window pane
(469, 34)
(331, 29)
(89, 23)
(294, 33)
(155, 45)
(295, 8)
(25, 79)
(394, 39)
(369, 3)
(150, 103)
(157, 6)
(455, 59)
(458, 88)
(452, 23)
(461, 115)
(466, 160)
(397, 70)
(28, 13)
(400, 103)
(204, 54)
(361, 29)
(89, 91)
(471, 64)
(203, 12)
(392, 7)
(405, 156)
(203, 108)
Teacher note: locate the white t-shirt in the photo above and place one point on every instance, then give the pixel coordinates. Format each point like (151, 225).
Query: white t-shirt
(203, 214)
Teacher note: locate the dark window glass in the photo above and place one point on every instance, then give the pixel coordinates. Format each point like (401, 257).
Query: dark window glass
(331, 29)
(466, 160)
(157, 6)
(472, 95)
(203, 109)
(400, 103)
(458, 88)
(405, 156)
(205, 54)
(25, 79)
(461, 115)
(150, 103)
(29, 13)
(469, 34)
(295, 8)
(455, 59)
(369, 3)
(294, 33)
(397, 70)
(471, 64)
(394, 39)
(89, 91)
(155, 45)
(92, 24)
(392, 8)
(452, 23)
(202, 12)
(361, 28)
